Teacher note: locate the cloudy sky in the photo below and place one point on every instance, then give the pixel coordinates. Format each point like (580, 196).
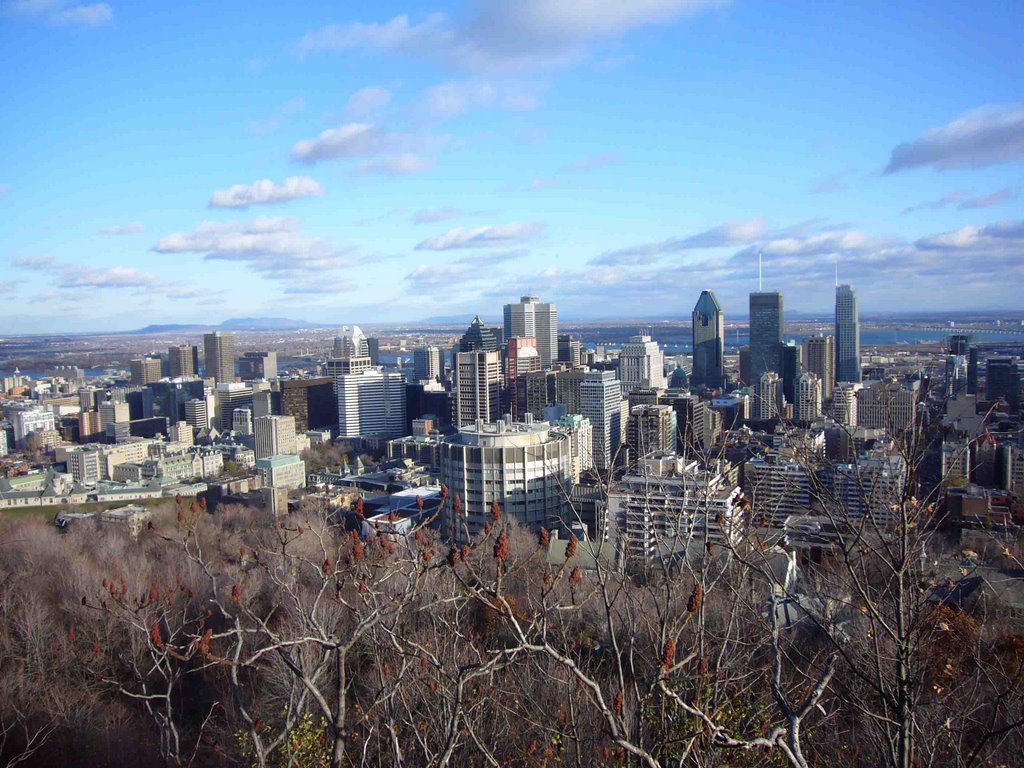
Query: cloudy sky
(374, 162)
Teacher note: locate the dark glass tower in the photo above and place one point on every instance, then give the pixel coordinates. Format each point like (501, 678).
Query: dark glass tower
(708, 342)
(765, 332)
(478, 338)
(847, 335)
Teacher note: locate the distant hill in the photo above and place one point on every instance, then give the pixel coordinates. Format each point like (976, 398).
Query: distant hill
(232, 324)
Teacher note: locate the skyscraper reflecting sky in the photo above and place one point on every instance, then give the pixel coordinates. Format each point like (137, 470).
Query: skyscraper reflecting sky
(847, 335)
(708, 342)
(765, 332)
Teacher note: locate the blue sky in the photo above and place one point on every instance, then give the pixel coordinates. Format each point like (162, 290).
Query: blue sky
(377, 162)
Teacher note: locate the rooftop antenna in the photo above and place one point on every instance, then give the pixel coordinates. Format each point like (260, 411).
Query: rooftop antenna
(760, 286)
(837, 271)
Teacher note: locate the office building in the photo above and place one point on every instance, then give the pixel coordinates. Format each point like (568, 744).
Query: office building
(220, 356)
(350, 342)
(819, 359)
(373, 350)
(887, 405)
(570, 350)
(371, 404)
(844, 403)
(521, 358)
(531, 318)
(641, 364)
(427, 364)
(601, 402)
(30, 419)
(1003, 379)
(789, 369)
(525, 466)
(777, 487)
(241, 422)
(227, 397)
(478, 338)
(310, 402)
(847, 335)
(698, 425)
(257, 365)
(144, 370)
(766, 321)
(708, 343)
(287, 471)
(275, 435)
(650, 429)
(345, 366)
(112, 412)
(477, 387)
(807, 403)
(197, 413)
(182, 360)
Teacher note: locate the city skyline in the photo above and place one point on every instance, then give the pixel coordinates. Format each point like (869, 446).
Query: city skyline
(401, 162)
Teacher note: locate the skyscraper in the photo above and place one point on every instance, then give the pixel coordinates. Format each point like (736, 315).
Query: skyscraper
(182, 360)
(601, 402)
(765, 332)
(533, 319)
(350, 342)
(258, 365)
(144, 370)
(371, 403)
(641, 364)
(274, 435)
(847, 335)
(708, 342)
(820, 359)
(426, 363)
(220, 355)
(478, 337)
(477, 387)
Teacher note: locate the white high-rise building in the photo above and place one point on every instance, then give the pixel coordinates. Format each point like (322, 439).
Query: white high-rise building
(844, 403)
(29, 420)
(641, 364)
(426, 364)
(526, 467)
(241, 421)
(351, 342)
(275, 435)
(601, 402)
(531, 318)
(807, 406)
(197, 413)
(767, 395)
(371, 403)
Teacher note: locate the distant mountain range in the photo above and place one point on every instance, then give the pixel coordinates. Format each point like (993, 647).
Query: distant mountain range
(233, 324)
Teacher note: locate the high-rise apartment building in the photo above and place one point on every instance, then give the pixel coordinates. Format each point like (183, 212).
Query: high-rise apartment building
(820, 359)
(533, 319)
(183, 360)
(767, 396)
(144, 370)
(426, 364)
(766, 320)
(844, 403)
(641, 364)
(708, 342)
(371, 404)
(807, 403)
(257, 365)
(601, 402)
(220, 356)
(847, 335)
(477, 387)
(197, 414)
(275, 435)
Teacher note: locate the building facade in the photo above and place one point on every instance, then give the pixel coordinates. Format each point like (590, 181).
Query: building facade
(708, 343)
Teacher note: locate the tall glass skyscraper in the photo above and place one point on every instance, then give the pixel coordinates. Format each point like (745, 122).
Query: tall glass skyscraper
(708, 342)
(847, 335)
(765, 332)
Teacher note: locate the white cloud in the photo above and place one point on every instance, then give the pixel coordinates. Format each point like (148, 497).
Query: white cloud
(505, 34)
(392, 165)
(479, 237)
(998, 197)
(113, 277)
(981, 137)
(86, 15)
(440, 214)
(950, 198)
(731, 233)
(123, 229)
(40, 262)
(265, 191)
(366, 101)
